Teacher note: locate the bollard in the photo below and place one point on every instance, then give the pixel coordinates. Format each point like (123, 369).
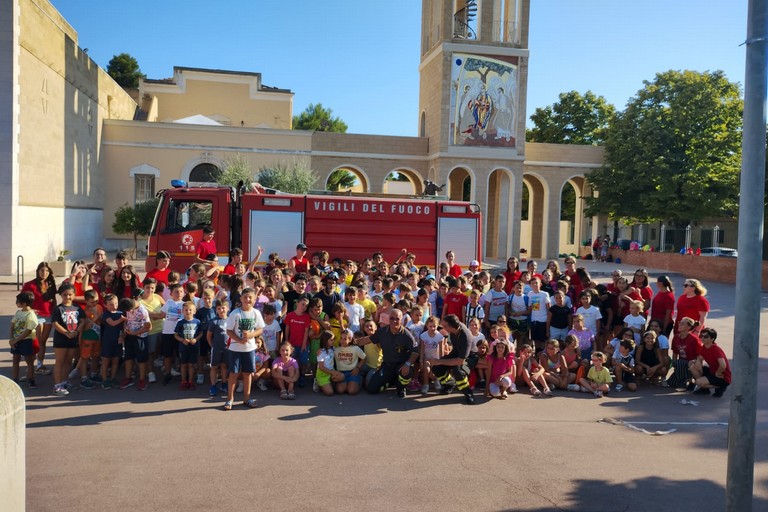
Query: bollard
(12, 439)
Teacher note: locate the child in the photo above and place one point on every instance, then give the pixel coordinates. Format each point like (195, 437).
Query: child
(473, 309)
(272, 332)
(384, 310)
(529, 372)
(481, 371)
(518, 310)
(216, 336)
(349, 361)
(555, 367)
(153, 303)
(20, 338)
(655, 326)
(598, 380)
(205, 313)
(572, 356)
(188, 334)
(168, 344)
(137, 325)
(585, 336)
(558, 318)
(591, 315)
(455, 302)
(430, 347)
(502, 371)
(717, 372)
(244, 325)
(373, 354)
(67, 324)
(539, 305)
(635, 320)
(355, 312)
(415, 325)
(285, 372)
(112, 341)
(297, 324)
(648, 359)
(624, 366)
(615, 343)
(90, 339)
(318, 323)
(338, 322)
(325, 372)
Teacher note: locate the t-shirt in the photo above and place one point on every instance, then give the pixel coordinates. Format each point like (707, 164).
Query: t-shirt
(239, 321)
(686, 348)
(295, 326)
(136, 319)
(355, 312)
(218, 329)
(635, 322)
(205, 315)
(539, 303)
(415, 328)
(111, 333)
(188, 329)
(348, 357)
(396, 347)
(500, 366)
(455, 271)
(283, 366)
(560, 314)
(460, 343)
(153, 305)
(691, 307)
(518, 307)
(471, 312)
(205, 249)
(497, 302)
(711, 355)
(599, 377)
(291, 297)
(591, 316)
(69, 318)
(454, 304)
(585, 337)
(474, 339)
(627, 360)
(431, 344)
(161, 276)
(325, 356)
(368, 306)
(173, 314)
(23, 321)
(269, 334)
(661, 303)
(328, 300)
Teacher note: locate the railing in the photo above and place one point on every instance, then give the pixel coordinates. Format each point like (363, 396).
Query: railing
(461, 28)
(505, 32)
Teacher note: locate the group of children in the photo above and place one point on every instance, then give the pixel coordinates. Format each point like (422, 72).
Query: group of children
(298, 324)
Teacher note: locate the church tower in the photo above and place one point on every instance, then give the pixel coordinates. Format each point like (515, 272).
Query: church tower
(473, 81)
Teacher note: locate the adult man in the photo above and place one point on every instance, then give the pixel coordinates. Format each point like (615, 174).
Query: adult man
(97, 268)
(328, 294)
(454, 364)
(399, 353)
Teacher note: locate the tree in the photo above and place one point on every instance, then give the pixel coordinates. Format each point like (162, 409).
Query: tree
(341, 179)
(135, 220)
(235, 170)
(293, 178)
(124, 69)
(320, 119)
(574, 119)
(674, 153)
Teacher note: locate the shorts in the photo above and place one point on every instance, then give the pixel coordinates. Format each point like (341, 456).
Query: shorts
(204, 347)
(241, 362)
(64, 342)
(168, 345)
(153, 341)
(23, 348)
(348, 377)
(42, 320)
(90, 348)
(628, 377)
(558, 334)
(713, 380)
(302, 356)
(322, 378)
(519, 326)
(189, 354)
(538, 331)
(314, 346)
(218, 356)
(111, 348)
(136, 348)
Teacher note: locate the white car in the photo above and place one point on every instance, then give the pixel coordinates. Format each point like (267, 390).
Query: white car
(719, 251)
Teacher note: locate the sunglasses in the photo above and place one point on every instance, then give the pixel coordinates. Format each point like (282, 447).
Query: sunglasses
(687, 285)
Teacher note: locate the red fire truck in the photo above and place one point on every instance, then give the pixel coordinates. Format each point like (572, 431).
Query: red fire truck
(347, 226)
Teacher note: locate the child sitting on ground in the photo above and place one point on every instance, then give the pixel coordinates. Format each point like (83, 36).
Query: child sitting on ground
(598, 380)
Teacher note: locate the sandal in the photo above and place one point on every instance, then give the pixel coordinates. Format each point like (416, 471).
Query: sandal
(251, 403)
(536, 392)
(283, 395)
(228, 405)
(548, 392)
(291, 396)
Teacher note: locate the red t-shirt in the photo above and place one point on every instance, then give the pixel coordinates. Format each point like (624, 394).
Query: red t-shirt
(204, 249)
(454, 304)
(510, 282)
(576, 285)
(711, 356)
(455, 271)
(646, 293)
(229, 269)
(661, 303)
(301, 265)
(623, 305)
(691, 307)
(161, 276)
(298, 325)
(40, 306)
(687, 348)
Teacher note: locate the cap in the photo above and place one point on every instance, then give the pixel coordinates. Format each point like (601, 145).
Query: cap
(332, 275)
(474, 263)
(301, 246)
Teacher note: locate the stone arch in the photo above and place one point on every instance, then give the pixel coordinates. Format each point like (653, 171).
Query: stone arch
(190, 165)
(533, 232)
(414, 177)
(573, 229)
(361, 175)
(432, 174)
(423, 124)
(457, 178)
(499, 211)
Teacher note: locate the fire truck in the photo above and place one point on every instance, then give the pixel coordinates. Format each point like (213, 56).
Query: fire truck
(348, 226)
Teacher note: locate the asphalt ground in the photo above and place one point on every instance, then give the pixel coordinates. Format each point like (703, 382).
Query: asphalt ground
(166, 449)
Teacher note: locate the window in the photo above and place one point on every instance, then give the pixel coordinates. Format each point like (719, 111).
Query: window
(204, 173)
(143, 188)
(188, 215)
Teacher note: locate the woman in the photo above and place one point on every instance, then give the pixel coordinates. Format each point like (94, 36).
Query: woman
(685, 348)
(80, 279)
(663, 304)
(43, 289)
(512, 274)
(692, 304)
(554, 267)
(127, 284)
(641, 284)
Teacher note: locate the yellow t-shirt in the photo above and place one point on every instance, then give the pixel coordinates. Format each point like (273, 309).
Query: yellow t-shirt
(599, 377)
(153, 305)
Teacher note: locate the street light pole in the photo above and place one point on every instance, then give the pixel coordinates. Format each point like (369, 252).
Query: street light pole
(741, 431)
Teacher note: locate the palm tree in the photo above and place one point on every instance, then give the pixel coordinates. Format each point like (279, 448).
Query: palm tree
(341, 179)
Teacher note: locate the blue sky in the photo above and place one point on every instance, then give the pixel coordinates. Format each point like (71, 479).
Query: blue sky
(360, 58)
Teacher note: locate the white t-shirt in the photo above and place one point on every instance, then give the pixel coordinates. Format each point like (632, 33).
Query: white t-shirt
(356, 313)
(663, 342)
(172, 310)
(431, 344)
(497, 301)
(415, 328)
(239, 321)
(347, 357)
(539, 302)
(474, 340)
(270, 335)
(591, 316)
(635, 322)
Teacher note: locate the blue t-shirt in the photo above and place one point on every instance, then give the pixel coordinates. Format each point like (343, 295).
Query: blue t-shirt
(218, 328)
(188, 329)
(205, 315)
(110, 333)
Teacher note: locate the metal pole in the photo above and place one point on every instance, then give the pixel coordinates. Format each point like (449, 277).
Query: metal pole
(741, 431)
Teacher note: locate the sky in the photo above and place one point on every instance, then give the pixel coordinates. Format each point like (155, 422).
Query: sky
(361, 58)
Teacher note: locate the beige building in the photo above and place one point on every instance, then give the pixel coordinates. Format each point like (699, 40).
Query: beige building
(74, 146)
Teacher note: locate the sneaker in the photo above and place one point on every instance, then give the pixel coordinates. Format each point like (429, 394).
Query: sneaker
(191, 385)
(87, 384)
(447, 390)
(574, 387)
(469, 398)
(261, 384)
(401, 393)
(142, 385)
(60, 391)
(619, 387)
(200, 378)
(227, 405)
(107, 384)
(75, 373)
(239, 387)
(251, 403)
(42, 370)
(175, 372)
(598, 394)
(548, 392)
(167, 378)
(96, 378)
(718, 392)
(413, 386)
(213, 391)
(151, 377)
(158, 362)
(438, 386)
(425, 389)
(32, 384)
(22, 379)
(126, 383)
(315, 386)
(224, 387)
(512, 388)
(183, 386)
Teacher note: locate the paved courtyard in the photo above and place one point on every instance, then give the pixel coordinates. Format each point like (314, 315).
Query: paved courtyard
(166, 449)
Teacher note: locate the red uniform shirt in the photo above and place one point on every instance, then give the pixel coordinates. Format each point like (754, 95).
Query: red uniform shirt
(661, 303)
(455, 303)
(711, 356)
(686, 348)
(298, 325)
(455, 271)
(691, 307)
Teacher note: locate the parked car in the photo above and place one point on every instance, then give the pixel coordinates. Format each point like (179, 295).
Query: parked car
(720, 251)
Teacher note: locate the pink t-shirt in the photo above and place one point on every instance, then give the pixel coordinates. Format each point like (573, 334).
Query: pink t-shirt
(500, 366)
(283, 366)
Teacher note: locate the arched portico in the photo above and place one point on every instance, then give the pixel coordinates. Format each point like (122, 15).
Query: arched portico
(363, 182)
(413, 186)
(461, 184)
(499, 215)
